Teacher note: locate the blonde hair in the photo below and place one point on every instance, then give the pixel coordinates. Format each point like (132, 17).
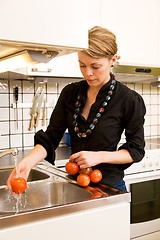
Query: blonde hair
(102, 43)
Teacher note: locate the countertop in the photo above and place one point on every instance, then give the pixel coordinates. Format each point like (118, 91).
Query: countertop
(63, 153)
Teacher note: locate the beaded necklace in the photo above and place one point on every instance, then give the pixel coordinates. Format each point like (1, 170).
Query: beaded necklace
(98, 115)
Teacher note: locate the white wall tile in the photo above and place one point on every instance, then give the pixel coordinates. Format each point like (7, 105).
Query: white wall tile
(154, 90)
(13, 114)
(4, 127)
(148, 109)
(51, 100)
(138, 88)
(154, 99)
(146, 98)
(26, 113)
(146, 89)
(28, 98)
(28, 140)
(28, 87)
(147, 120)
(4, 100)
(4, 114)
(13, 126)
(16, 140)
(4, 142)
(51, 87)
(154, 131)
(49, 112)
(154, 120)
(147, 130)
(3, 86)
(154, 109)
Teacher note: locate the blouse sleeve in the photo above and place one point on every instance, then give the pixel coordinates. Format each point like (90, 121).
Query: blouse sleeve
(134, 131)
(52, 136)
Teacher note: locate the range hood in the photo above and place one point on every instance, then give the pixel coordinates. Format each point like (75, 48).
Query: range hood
(12, 57)
(133, 74)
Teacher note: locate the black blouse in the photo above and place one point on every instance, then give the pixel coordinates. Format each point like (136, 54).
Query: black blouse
(125, 112)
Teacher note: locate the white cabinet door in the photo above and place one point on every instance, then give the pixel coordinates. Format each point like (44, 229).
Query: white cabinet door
(94, 13)
(40, 23)
(136, 25)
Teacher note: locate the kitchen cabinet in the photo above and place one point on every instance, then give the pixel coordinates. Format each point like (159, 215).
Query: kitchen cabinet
(51, 23)
(108, 222)
(136, 25)
(94, 13)
(66, 66)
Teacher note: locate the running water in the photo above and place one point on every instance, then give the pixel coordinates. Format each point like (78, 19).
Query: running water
(17, 197)
(16, 163)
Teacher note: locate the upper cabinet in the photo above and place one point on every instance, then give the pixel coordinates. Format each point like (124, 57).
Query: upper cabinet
(94, 13)
(136, 24)
(51, 24)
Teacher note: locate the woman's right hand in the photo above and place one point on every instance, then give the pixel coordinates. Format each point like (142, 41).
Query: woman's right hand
(21, 170)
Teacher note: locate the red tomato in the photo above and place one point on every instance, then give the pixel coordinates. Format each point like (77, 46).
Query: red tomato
(95, 176)
(85, 171)
(72, 168)
(19, 185)
(83, 180)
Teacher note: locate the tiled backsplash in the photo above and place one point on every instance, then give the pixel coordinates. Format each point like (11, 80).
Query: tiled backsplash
(23, 138)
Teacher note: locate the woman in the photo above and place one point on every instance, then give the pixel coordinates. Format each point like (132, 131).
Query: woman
(96, 111)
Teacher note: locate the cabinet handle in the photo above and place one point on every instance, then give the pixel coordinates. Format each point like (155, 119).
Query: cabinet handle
(36, 70)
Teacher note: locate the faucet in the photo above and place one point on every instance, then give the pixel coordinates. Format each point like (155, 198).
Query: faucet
(13, 151)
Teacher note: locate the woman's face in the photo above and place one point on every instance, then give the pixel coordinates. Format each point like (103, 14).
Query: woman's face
(95, 71)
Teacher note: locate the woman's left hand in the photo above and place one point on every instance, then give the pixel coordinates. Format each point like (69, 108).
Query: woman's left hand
(86, 158)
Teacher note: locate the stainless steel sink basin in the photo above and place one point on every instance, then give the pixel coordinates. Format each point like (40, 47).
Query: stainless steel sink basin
(34, 175)
(42, 195)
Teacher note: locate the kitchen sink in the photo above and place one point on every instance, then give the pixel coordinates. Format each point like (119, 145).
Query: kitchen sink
(42, 195)
(34, 175)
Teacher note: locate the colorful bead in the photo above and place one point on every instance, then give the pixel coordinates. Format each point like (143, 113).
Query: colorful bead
(92, 126)
(98, 115)
(84, 134)
(75, 123)
(77, 104)
(112, 87)
(88, 131)
(76, 129)
(75, 116)
(104, 104)
(79, 134)
(77, 110)
(108, 98)
(110, 92)
(95, 121)
(101, 110)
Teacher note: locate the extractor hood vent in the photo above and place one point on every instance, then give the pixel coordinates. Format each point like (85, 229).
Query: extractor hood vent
(132, 74)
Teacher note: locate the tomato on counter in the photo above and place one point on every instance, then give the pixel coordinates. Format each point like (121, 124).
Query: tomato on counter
(83, 180)
(19, 185)
(95, 176)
